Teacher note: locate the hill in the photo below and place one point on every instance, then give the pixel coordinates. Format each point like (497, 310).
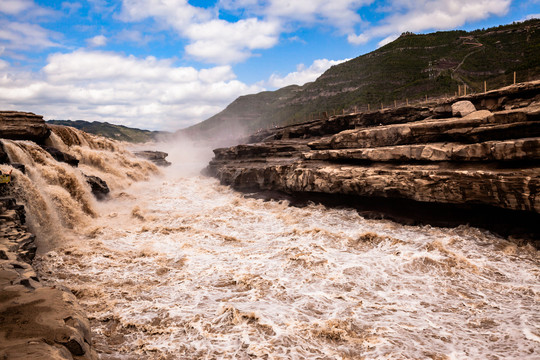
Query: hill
(407, 69)
(117, 132)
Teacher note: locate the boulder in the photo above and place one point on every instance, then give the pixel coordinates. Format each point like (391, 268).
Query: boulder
(100, 189)
(61, 156)
(462, 108)
(157, 157)
(16, 125)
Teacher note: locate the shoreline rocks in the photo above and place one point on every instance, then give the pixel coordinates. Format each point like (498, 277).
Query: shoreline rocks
(157, 157)
(485, 158)
(38, 321)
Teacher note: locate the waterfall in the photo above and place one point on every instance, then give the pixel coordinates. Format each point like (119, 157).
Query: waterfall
(56, 195)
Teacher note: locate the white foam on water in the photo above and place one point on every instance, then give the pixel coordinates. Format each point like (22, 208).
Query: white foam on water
(183, 268)
(175, 266)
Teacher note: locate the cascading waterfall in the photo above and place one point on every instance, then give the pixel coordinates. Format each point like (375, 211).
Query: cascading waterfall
(57, 195)
(179, 267)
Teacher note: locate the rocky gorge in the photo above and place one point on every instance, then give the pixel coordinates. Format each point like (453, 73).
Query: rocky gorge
(471, 159)
(56, 175)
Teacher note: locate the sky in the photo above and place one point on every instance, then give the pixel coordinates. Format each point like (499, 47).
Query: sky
(169, 64)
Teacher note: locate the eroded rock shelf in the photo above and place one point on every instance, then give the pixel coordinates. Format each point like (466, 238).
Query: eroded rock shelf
(473, 160)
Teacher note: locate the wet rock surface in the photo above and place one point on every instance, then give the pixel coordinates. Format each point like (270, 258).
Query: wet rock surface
(37, 322)
(100, 189)
(157, 157)
(61, 156)
(17, 125)
(480, 152)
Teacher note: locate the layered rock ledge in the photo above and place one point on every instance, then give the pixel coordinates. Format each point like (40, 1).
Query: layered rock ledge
(16, 125)
(473, 160)
(37, 322)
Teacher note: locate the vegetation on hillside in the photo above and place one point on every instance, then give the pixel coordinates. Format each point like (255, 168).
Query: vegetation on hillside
(117, 132)
(409, 68)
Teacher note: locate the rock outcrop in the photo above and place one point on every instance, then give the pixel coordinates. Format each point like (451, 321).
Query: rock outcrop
(61, 156)
(157, 157)
(16, 125)
(37, 322)
(99, 187)
(481, 167)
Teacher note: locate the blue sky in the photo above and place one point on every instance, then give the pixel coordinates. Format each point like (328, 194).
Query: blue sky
(168, 64)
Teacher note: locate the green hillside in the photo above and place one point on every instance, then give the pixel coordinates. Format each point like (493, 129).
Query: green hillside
(117, 132)
(408, 68)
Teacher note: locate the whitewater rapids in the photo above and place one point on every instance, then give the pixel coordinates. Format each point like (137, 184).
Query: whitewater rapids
(177, 266)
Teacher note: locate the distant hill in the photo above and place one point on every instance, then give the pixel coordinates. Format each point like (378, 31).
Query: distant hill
(117, 132)
(410, 67)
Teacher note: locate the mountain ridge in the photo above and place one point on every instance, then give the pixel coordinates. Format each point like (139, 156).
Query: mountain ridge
(408, 69)
(112, 131)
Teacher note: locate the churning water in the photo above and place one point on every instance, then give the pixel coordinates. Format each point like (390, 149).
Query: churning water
(179, 267)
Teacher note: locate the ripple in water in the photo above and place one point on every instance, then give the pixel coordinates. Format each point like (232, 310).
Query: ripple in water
(189, 269)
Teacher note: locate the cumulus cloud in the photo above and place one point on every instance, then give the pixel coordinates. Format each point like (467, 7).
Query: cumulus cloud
(357, 39)
(211, 39)
(422, 15)
(96, 41)
(303, 74)
(104, 86)
(215, 40)
(221, 42)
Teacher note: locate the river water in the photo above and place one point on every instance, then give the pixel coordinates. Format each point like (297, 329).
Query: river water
(176, 266)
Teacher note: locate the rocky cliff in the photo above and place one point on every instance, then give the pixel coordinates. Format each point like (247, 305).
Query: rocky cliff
(473, 159)
(38, 322)
(17, 125)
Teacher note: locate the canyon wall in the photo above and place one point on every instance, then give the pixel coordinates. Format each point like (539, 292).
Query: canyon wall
(473, 159)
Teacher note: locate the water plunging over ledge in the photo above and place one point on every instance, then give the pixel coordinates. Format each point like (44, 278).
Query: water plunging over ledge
(176, 266)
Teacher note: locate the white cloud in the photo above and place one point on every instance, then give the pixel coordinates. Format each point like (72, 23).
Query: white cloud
(96, 41)
(104, 86)
(211, 39)
(302, 74)
(25, 9)
(357, 39)
(261, 23)
(422, 15)
(532, 16)
(14, 7)
(218, 41)
(221, 42)
(341, 14)
(24, 36)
